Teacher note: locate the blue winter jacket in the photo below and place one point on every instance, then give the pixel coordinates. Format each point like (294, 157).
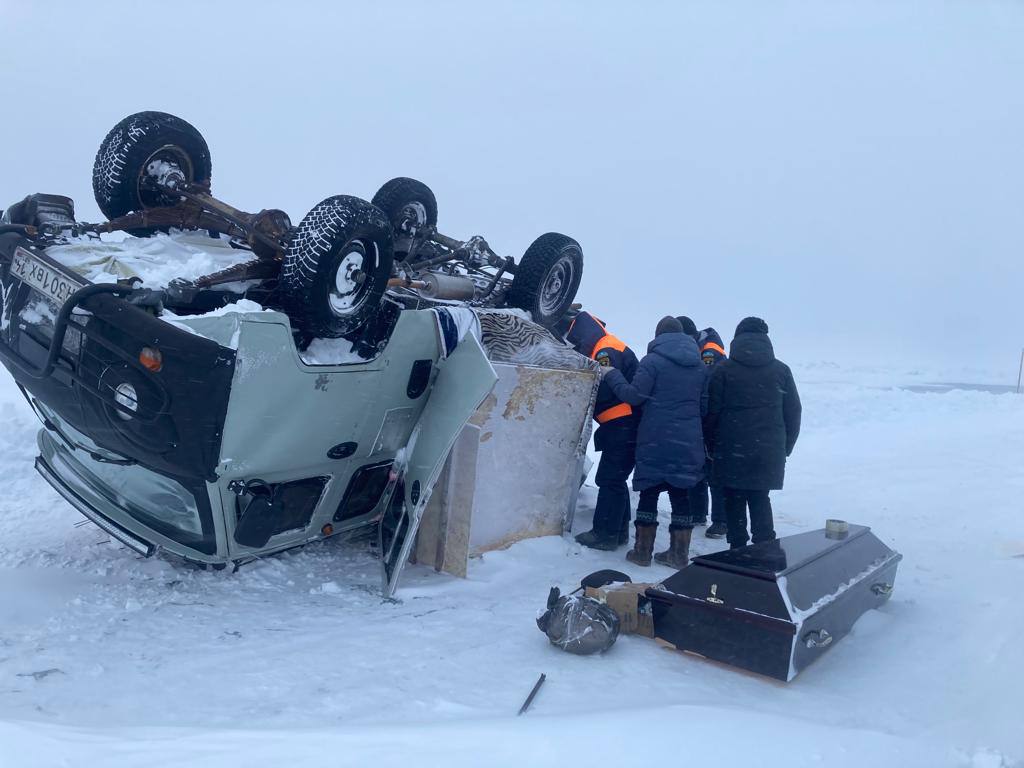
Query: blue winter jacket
(671, 384)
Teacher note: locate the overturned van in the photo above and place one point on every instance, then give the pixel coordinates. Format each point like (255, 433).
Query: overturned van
(211, 437)
(221, 385)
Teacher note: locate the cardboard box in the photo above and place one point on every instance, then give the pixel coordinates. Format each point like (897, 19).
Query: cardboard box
(630, 604)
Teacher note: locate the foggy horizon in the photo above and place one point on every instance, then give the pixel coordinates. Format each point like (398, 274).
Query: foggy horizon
(851, 172)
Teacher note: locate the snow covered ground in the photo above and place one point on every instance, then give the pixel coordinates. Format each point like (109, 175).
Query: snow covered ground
(848, 170)
(109, 659)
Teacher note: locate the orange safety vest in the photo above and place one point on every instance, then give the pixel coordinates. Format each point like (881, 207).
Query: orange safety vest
(622, 409)
(712, 345)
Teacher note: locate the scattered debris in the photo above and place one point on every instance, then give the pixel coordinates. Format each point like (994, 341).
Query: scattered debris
(533, 693)
(41, 674)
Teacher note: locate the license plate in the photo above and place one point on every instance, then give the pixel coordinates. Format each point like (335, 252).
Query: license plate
(50, 282)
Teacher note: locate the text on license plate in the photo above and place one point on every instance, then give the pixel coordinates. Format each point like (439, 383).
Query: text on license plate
(48, 281)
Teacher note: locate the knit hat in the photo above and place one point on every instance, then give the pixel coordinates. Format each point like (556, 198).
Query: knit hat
(752, 325)
(689, 327)
(668, 324)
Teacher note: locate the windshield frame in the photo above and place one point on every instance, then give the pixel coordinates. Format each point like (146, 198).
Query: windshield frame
(64, 459)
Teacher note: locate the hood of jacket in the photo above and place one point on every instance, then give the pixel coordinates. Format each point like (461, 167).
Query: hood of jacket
(678, 348)
(710, 335)
(753, 349)
(585, 332)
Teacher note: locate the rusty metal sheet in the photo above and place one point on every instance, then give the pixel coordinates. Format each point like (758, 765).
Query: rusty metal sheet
(533, 433)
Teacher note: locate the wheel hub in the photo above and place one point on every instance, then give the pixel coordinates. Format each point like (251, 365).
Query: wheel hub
(413, 216)
(349, 281)
(558, 281)
(167, 165)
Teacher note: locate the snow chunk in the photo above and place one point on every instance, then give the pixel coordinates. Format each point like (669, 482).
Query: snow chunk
(327, 588)
(38, 311)
(330, 352)
(240, 307)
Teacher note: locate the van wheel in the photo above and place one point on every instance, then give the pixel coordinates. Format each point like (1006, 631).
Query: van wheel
(336, 267)
(410, 205)
(547, 278)
(138, 147)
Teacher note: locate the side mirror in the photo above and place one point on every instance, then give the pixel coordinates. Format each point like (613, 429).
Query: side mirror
(257, 523)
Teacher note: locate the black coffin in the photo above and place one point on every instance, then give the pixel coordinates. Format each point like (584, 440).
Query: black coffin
(773, 608)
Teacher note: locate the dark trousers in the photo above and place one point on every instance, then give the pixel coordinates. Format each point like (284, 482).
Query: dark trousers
(699, 503)
(612, 511)
(679, 498)
(761, 524)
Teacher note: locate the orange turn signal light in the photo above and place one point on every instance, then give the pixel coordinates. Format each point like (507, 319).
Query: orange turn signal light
(151, 358)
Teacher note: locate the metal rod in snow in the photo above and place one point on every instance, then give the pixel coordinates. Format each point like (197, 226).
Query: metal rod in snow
(1020, 370)
(533, 694)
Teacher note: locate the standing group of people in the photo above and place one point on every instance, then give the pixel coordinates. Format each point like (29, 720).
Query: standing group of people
(688, 420)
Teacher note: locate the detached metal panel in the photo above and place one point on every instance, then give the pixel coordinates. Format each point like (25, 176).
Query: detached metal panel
(534, 430)
(530, 439)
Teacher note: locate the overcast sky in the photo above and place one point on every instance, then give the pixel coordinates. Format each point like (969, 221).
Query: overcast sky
(851, 171)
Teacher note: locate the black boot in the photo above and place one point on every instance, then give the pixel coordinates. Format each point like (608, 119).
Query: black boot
(624, 531)
(716, 531)
(595, 539)
(678, 553)
(643, 547)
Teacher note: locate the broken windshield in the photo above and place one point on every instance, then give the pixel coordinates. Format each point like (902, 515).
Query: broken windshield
(158, 502)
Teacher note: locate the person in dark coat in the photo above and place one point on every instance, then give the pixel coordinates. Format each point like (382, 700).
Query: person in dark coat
(752, 423)
(689, 328)
(615, 438)
(712, 352)
(671, 386)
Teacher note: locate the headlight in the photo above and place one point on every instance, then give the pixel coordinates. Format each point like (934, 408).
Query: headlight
(126, 396)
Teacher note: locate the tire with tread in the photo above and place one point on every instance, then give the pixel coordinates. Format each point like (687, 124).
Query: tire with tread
(547, 278)
(318, 248)
(129, 146)
(397, 194)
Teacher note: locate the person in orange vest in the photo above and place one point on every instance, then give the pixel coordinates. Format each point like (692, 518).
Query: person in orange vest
(615, 437)
(712, 348)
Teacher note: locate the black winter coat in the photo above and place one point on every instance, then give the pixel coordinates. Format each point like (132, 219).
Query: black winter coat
(671, 385)
(753, 416)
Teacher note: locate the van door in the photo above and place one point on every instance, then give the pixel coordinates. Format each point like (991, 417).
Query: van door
(461, 383)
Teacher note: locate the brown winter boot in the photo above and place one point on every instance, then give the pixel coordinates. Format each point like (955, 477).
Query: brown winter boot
(640, 554)
(678, 552)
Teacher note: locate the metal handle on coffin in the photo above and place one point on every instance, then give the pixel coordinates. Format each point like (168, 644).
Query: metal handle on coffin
(882, 589)
(819, 638)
